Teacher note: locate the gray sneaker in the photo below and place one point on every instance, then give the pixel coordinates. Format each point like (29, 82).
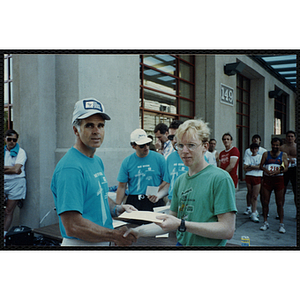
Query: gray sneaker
(254, 218)
(265, 226)
(281, 228)
(256, 214)
(247, 211)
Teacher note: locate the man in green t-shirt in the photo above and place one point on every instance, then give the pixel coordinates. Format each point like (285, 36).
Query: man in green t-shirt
(203, 208)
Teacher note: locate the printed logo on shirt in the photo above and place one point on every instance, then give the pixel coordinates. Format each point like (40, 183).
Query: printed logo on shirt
(189, 208)
(274, 161)
(139, 175)
(98, 174)
(224, 159)
(102, 203)
(184, 193)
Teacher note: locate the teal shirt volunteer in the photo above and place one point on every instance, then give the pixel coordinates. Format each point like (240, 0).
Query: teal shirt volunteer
(142, 172)
(79, 184)
(175, 167)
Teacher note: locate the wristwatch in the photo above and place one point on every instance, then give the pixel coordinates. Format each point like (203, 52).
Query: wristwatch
(182, 227)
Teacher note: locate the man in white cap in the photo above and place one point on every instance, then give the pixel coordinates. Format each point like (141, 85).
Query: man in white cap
(139, 170)
(80, 188)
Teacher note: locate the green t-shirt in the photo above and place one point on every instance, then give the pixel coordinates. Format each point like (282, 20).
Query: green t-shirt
(200, 198)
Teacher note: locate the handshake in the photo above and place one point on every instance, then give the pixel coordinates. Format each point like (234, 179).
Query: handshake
(165, 223)
(161, 224)
(125, 237)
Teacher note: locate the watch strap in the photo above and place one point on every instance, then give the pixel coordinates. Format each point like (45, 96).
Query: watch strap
(182, 227)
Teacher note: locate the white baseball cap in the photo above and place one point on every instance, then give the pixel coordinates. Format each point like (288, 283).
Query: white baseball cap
(139, 136)
(87, 107)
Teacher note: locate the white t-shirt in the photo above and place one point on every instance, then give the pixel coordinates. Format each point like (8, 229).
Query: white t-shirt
(248, 152)
(211, 156)
(10, 161)
(253, 161)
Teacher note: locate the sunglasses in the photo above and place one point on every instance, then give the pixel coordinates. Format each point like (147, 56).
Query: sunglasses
(11, 139)
(143, 146)
(171, 137)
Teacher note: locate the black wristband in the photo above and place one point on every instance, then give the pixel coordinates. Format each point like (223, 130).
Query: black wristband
(182, 227)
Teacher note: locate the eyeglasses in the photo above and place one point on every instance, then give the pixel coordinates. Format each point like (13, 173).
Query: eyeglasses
(191, 147)
(11, 139)
(143, 146)
(171, 137)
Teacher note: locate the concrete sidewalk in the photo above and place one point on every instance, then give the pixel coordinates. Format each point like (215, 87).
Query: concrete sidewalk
(270, 237)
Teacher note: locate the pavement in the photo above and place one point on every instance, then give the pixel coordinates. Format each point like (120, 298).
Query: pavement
(245, 227)
(270, 237)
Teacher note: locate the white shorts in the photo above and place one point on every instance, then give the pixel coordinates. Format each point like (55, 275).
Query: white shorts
(15, 189)
(81, 243)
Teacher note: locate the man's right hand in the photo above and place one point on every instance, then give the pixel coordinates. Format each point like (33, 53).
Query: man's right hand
(124, 240)
(133, 232)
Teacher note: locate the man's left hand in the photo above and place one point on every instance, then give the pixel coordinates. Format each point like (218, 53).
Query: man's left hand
(153, 198)
(126, 207)
(169, 223)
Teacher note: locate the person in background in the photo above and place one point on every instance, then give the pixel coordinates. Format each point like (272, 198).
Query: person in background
(212, 154)
(273, 163)
(290, 148)
(151, 146)
(253, 179)
(14, 176)
(174, 165)
(139, 170)
(256, 139)
(229, 158)
(163, 144)
(203, 205)
(80, 188)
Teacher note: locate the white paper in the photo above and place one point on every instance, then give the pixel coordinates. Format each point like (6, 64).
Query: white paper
(142, 215)
(118, 223)
(166, 235)
(152, 190)
(162, 209)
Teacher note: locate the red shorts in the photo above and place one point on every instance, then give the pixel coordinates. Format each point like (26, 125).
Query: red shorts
(235, 179)
(253, 180)
(273, 183)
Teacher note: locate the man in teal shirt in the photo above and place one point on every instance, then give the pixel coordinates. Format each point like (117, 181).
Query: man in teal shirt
(203, 208)
(79, 185)
(140, 170)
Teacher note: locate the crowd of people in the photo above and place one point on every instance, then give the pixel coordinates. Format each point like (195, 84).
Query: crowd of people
(190, 175)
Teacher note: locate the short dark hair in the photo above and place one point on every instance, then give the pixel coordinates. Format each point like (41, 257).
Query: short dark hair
(276, 139)
(163, 128)
(175, 124)
(290, 131)
(11, 132)
(227, 133)
(254, 145)
(212, 140)
(256, 136)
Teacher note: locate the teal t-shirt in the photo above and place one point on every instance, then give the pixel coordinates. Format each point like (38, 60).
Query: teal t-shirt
(79, 184)
(175, 167)
(142, 172)
(200, 198)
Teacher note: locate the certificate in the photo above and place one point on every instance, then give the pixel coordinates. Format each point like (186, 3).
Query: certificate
(149, 216)
(152, 190)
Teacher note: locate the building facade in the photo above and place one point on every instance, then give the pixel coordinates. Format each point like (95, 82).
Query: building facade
(138, 91)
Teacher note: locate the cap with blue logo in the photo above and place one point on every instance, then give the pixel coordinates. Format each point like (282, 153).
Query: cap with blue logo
(87, 107)
(139, 136)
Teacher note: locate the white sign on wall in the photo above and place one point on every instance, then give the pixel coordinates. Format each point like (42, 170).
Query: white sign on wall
(226, 94)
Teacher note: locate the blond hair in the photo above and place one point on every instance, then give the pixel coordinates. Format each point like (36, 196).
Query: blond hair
(194, 128)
